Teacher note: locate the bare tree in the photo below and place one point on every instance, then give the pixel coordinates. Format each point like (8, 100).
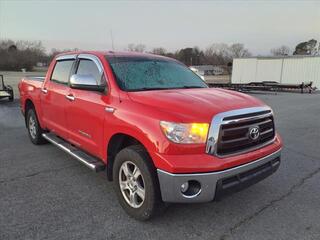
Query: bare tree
(136, 47)
(280, 51)
(131, 47)
(221, 53)
(20, 54)
(5, 44)
(159, 51)
(237, 50)
(217, 49)
(217, 54)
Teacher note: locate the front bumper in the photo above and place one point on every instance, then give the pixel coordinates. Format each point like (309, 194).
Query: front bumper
(205, 187)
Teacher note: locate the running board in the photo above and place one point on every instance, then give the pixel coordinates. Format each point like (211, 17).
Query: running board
(88, 160)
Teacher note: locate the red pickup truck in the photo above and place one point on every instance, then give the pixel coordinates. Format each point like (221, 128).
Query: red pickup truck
(153, 125)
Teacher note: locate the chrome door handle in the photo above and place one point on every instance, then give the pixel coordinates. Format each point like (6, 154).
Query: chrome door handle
(70, 97)
(44, 90)
(110, 109)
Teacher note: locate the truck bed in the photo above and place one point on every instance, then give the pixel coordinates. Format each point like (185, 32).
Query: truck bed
(30, 87)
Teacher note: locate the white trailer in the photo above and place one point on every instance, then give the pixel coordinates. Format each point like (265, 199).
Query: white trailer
(285, 70)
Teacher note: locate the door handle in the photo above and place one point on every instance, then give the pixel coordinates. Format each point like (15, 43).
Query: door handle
(70, 97)
(44, 90)
(110, 109)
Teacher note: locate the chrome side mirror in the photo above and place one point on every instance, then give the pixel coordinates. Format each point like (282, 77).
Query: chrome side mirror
(85, 82)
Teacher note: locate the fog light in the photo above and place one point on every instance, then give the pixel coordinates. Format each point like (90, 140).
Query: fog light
(191, 188)
(184, 187)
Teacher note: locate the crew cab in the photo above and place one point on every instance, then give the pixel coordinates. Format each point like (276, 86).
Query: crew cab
(156, 129)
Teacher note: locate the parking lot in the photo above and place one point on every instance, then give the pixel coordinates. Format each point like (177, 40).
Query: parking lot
(45, 194)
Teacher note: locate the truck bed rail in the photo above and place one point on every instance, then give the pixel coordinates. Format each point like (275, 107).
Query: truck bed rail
(35, 78)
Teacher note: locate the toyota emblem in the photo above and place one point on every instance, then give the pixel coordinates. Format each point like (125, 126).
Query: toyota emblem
(254, 133)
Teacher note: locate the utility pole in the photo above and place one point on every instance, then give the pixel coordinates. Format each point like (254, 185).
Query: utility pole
(0, 19)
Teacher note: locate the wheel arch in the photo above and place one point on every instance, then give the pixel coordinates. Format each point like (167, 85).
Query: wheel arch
(28, 105)
(117, 142)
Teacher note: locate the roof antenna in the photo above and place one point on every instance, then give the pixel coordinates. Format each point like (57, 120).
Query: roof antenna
(111, 35)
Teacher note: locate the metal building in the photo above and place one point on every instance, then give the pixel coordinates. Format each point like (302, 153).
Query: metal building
(287, 70)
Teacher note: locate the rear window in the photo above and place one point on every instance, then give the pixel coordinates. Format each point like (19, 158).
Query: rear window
(61, 71)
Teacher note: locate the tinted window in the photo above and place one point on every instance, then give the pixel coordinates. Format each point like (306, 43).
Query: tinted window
(61, 71)
(88, 67)
(142, 73)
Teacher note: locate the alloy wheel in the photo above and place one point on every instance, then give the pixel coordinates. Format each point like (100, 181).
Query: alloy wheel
(132, 184)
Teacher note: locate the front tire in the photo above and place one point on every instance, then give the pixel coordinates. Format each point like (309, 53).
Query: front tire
(135, 183)
(34, 129)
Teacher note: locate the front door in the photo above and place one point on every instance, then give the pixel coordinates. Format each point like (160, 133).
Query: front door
(86, 112)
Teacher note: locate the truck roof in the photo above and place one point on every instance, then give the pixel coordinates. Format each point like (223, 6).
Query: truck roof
(116, 54)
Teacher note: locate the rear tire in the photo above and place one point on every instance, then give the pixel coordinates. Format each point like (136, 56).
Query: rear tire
(34, 129)
(137, 190)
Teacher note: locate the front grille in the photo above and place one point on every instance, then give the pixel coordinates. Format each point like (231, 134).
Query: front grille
(234, 136)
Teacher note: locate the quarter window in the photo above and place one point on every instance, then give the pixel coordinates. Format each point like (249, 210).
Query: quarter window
(61, 71)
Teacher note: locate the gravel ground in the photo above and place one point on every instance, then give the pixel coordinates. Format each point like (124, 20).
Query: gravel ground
(45, 194)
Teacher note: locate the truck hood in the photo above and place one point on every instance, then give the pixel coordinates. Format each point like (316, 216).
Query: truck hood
(195, 104)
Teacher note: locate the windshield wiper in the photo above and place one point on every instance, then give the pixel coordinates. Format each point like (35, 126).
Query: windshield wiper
(148, 89)
(162, 88)
(193, 87)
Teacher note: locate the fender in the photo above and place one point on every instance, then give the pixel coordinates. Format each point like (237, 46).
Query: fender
(140, 134)
(32, 91)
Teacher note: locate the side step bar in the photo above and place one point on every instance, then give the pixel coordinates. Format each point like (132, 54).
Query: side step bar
(88, 160)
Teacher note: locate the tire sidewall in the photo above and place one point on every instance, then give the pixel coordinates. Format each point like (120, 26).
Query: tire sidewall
(148, 207)
(38, 138)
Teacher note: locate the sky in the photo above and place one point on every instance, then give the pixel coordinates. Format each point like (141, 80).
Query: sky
(87, 25)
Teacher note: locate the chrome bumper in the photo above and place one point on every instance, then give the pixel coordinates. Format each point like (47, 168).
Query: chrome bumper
(213, 185)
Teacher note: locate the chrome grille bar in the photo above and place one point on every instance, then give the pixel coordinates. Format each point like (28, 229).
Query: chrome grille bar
(236, 120)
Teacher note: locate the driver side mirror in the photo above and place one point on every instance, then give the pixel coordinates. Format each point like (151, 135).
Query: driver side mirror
(85, 82)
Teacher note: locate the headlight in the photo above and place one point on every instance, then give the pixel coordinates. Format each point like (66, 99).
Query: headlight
(185, 132)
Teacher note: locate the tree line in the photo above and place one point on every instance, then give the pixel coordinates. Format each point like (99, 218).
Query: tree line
(17, 55)
(215, 54)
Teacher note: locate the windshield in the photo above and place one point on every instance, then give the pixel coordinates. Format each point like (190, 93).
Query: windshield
(143, 73)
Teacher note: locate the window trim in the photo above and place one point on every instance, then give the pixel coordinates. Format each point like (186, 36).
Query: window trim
(93, 58)
(97, 61)
(62, 59)
(76, 59)
(79, 60)
(66, 57)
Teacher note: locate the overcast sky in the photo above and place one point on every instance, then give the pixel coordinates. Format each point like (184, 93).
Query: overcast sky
(260, 25)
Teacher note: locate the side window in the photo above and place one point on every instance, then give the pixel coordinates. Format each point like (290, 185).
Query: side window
(88, 67)
(61, 71)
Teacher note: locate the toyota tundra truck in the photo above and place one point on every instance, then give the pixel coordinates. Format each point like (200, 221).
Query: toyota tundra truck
(156, 129)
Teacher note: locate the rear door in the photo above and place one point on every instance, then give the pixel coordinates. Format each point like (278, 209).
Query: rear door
(86, 113)
(54, 96)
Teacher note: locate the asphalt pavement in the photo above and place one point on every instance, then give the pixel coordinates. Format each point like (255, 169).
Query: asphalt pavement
(46, 194)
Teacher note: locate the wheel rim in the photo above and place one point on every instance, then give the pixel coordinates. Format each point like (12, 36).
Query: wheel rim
(32, 127)
(131, 184)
